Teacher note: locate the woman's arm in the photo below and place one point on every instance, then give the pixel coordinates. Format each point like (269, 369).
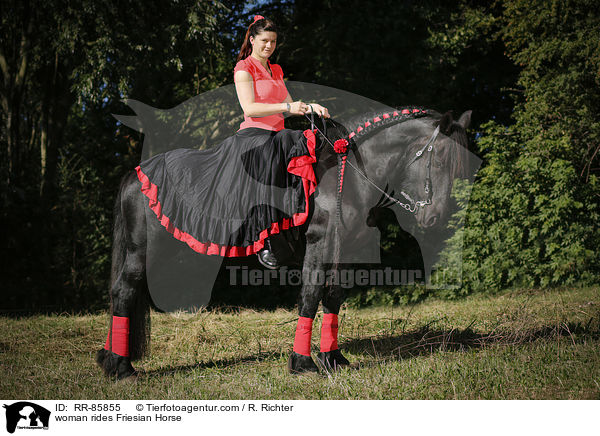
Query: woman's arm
(245, 92)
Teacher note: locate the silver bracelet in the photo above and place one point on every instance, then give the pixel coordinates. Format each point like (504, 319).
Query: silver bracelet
(289, 108)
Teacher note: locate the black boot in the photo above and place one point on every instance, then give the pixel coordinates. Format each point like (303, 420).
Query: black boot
(266, 256)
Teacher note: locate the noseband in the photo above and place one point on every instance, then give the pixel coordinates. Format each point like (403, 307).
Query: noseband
(428, 190)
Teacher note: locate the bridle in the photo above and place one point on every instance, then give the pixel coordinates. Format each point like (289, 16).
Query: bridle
(428, 148)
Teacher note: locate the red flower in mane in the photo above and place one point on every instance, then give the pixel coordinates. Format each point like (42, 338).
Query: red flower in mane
(340, 146)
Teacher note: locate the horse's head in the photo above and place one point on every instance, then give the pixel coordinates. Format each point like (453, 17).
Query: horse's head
(435, 156)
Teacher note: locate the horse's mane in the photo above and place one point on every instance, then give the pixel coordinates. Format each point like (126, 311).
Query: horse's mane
(459, 151)
(365, 125)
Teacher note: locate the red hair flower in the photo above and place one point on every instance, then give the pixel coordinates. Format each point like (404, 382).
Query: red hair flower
(340, 146)
(258, 17)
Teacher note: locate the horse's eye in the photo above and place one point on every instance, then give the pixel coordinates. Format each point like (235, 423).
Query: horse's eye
(437, 163)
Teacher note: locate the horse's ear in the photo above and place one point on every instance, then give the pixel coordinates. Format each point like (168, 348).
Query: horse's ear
(465, 119)
(135, 121)
(130, 121)
(445, 122)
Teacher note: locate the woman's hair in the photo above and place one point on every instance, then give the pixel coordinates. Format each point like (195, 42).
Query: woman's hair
(261, 25)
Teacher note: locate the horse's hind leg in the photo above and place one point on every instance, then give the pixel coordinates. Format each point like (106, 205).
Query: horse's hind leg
(115, 358)
(128, 333)
(330, 355)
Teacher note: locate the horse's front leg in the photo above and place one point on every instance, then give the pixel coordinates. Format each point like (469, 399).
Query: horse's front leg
(308, 303)
(300, 360)
(330, 355)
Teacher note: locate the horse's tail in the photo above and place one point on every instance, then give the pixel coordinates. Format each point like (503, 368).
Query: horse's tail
(139, 333)
(138, 306)
(119, 246)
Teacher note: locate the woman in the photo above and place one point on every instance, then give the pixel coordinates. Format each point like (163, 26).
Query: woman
(261, 111)
(230, 200)
(262, 92)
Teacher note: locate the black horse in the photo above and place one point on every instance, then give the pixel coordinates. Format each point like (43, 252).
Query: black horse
(408, 157)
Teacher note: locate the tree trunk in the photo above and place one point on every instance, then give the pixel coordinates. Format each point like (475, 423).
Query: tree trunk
(57, 102)
(13, 85)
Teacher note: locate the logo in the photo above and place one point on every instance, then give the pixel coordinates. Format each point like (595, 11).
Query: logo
(26, 415)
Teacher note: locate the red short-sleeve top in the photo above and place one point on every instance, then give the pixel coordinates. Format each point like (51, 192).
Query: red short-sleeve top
(267, 89)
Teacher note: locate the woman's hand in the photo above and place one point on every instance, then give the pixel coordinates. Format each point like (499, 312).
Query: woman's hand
(301, 108)
(318, 109)
(298, 108)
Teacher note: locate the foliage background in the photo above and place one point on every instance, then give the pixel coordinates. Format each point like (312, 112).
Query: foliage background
(530, 71)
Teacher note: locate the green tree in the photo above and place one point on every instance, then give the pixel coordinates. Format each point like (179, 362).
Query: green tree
(533, 218)
(65, 67)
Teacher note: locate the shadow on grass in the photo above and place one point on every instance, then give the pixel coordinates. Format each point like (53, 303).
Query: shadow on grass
(220, 363)
(420, 342)
(426, 341)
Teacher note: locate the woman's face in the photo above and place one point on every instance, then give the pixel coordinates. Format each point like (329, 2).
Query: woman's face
(263, 44)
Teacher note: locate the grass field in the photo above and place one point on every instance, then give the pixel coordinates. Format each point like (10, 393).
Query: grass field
(528, 344)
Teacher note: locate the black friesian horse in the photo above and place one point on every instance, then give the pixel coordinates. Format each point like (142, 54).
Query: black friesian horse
(409, 156)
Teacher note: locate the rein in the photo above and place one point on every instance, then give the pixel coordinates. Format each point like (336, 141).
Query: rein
(428, 147)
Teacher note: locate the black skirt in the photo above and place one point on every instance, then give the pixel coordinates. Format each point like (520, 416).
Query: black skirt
(227, 200)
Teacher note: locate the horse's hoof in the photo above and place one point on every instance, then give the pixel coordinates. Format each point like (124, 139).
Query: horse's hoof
(333, 360)
(298, 364)
(115, 365)
(127, 379)
(126, 372)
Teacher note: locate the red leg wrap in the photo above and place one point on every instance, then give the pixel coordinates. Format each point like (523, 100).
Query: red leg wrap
(329, 332)
(303, 335)
(120, 336)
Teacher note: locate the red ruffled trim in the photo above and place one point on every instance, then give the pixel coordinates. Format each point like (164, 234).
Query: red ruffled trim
(300, 166)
